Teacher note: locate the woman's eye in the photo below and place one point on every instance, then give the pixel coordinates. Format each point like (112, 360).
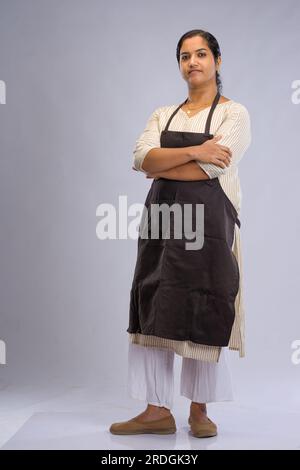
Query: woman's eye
(201, 54)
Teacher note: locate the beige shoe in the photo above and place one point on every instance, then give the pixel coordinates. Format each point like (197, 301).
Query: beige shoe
(164, 425)
(203, 429)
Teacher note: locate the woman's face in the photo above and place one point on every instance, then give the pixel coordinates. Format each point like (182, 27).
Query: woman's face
(196, 55)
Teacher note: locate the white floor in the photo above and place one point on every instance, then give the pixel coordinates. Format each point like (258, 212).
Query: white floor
(60, 417)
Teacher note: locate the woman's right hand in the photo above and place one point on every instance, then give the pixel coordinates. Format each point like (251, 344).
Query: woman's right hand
(212, 152)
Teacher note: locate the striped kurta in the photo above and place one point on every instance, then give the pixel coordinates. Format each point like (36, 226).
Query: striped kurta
(231, 120)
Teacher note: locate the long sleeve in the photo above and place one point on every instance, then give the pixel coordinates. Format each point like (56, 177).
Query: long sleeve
(149, 139)
(236, 132)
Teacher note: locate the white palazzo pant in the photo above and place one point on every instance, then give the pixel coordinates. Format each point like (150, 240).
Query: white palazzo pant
(150, 377)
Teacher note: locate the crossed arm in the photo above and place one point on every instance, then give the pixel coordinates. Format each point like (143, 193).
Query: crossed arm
(189, 171)
(236, 135)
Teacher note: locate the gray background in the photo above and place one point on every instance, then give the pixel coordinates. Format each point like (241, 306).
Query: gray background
(82, 78)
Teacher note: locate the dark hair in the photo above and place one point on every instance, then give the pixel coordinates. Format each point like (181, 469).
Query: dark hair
(212, 44)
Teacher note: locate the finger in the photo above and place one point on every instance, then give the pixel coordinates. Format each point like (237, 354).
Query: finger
(217, 137)
(226, 159)
(217, 161)
(221, 163)
(225, 149)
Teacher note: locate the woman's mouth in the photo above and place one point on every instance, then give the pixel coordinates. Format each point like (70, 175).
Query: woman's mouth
(194, 71)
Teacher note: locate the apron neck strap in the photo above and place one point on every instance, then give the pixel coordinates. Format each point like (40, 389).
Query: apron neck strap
(173, 114)
(208, 121)
(212, 108)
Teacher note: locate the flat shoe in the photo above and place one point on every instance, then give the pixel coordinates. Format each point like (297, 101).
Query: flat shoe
(164, 425)
(208, 429)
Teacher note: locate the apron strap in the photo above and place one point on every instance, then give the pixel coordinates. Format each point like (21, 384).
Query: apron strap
(173, 114)
(208, 121)
(212, 108)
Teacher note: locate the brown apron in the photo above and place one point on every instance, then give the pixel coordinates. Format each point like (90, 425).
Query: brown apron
(182, 294)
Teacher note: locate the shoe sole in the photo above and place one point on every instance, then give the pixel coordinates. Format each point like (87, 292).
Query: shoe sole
(146, 431)
(204, 434)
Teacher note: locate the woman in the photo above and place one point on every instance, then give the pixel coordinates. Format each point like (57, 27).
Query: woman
(189, 302)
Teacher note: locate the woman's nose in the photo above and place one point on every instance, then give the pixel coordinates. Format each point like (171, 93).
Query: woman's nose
(193, 61)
